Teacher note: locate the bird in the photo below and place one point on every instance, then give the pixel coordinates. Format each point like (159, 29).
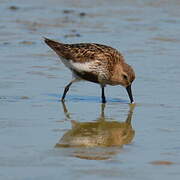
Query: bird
(96, 63)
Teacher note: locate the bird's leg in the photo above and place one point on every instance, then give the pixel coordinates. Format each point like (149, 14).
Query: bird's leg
(66, 89)
(103, 95)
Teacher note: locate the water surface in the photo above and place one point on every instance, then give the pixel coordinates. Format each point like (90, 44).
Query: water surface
(33, 120)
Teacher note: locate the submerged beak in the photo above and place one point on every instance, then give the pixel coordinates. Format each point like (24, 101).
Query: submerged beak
(128, 88)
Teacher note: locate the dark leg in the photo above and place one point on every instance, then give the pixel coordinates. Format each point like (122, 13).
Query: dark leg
(66, 89)
(103, 95)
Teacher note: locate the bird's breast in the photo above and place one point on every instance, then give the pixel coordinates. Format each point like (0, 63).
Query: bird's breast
(88, 76)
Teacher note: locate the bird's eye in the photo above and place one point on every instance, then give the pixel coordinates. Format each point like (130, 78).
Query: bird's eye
(125, 77)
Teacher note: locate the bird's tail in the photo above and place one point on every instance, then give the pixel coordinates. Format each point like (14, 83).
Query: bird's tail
(56, 46)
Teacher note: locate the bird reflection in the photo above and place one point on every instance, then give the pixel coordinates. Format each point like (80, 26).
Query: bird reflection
(90, 138)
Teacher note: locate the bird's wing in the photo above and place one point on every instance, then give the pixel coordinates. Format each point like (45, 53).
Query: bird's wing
(84, 52)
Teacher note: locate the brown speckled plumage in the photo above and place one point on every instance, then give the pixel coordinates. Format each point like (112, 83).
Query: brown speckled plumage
(96, 63)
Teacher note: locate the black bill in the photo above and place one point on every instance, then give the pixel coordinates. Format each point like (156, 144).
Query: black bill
(128, 88)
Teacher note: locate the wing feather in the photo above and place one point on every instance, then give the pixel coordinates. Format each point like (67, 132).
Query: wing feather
(85, 52)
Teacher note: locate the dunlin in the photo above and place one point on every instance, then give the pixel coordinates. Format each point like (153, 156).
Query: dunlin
(95, 63)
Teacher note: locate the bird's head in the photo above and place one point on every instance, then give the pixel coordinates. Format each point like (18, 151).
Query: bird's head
(124, 75)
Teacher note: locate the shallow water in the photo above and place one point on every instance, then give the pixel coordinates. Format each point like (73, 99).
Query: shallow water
(33, 120)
